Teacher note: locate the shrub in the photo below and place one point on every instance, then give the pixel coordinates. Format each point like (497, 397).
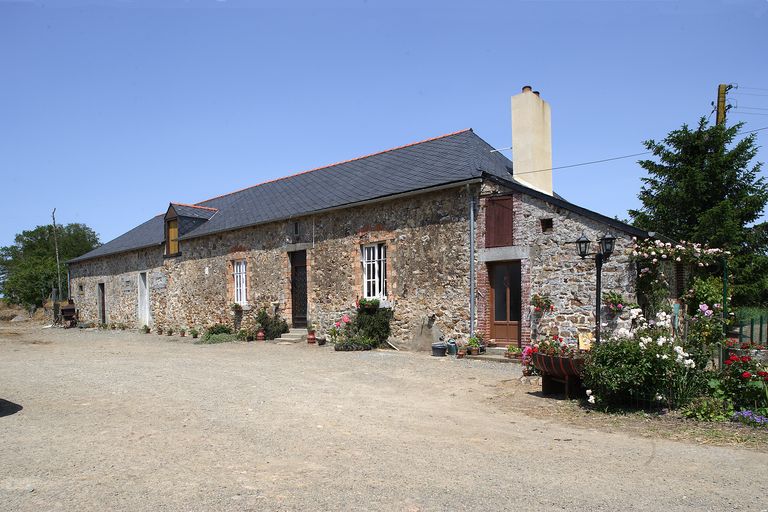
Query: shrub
(707, 290)
(640, 371)
(219, 329)
(210, 339)
(194, 332)
(745, 383)
(273, 326)
(145, 329)
(750, 418)
(709, 408)
(170, 331)
(373, 324)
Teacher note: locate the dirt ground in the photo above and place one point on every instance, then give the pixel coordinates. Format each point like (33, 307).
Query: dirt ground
(110, 420)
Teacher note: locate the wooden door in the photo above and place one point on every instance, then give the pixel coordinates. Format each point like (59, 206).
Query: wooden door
(102, 303)
(505, 302)
(298, 288)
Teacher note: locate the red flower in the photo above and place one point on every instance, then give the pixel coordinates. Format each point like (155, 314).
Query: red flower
(746, 375)
(734, 357)
(729, 362)
(745, 359)
(535, 349)
(762, 374)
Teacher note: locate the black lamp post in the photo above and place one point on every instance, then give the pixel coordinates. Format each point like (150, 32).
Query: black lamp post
(606, 245)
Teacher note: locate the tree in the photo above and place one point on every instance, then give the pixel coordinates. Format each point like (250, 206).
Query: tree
(28, 267)
(703, 188)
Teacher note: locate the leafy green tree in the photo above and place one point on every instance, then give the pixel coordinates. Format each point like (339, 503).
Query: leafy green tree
(703, 187)
(28, 267)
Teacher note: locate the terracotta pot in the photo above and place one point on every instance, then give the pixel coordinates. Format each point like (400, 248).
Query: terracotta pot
(321, 342)
(311, 337)
(461, 353)
(260, 335)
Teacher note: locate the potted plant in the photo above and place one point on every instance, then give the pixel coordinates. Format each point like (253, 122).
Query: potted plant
(159, 331)
(473, 346)
(311, 333)
(145, 329)
(194, 333)
(513, 352)
(368, 304)
(182, 332)
(541, 304)
(461, 351)
(170, 331)
(260, 333)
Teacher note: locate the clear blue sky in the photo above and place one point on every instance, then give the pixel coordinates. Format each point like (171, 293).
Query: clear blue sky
(109, 110)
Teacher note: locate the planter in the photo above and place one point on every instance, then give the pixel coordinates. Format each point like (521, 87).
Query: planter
(558, 372)
(321, 342)
(439, 349)
(260, 335)
(311, 337)
(461, 353)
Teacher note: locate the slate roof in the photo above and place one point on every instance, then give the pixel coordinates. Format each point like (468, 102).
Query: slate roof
(452, 158)
(193, 211)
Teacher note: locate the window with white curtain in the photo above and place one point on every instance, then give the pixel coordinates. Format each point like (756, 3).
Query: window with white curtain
(375, 271)
(241, 282)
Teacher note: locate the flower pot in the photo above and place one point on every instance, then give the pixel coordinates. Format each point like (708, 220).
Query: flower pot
(321, 342)
(439, 349)
(311, 337)
(260, 335)
(461, 353)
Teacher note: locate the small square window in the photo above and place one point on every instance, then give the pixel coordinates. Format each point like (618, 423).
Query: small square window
(80, 288)
(546, 225)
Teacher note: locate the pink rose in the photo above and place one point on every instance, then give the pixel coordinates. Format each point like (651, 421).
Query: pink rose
(345, 319)
(337, 324)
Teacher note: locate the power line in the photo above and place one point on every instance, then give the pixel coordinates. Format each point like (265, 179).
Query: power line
(750, 94)
(753, 108)
(752, 88)
(621, 157)
(753, 113)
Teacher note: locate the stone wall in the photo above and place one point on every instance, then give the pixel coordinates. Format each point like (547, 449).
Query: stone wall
(427, 269)
(427, 239)
(550, 266)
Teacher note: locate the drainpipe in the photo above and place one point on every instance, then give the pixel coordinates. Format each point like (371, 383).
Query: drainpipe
(471, 262)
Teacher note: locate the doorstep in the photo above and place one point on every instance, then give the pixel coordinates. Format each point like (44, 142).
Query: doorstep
(493, 358)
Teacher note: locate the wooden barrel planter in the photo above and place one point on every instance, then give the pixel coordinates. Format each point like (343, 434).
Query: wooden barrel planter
(558, 373)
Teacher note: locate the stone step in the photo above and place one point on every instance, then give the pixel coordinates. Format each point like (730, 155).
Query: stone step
(492, 358)
(293, 336)
(495, 350)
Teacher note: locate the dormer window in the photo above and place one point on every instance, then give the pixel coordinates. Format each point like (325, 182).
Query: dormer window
(172, 237)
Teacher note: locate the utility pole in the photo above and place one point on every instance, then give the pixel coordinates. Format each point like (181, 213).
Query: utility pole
(56, 245)
(722, 107)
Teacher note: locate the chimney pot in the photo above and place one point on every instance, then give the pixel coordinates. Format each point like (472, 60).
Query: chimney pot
(527, 88)
(536, 93)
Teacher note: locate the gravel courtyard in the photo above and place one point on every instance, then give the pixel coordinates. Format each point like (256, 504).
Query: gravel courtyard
(126, 421)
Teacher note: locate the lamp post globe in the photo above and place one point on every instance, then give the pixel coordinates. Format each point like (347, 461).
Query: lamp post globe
(607, 244)
(582, 243)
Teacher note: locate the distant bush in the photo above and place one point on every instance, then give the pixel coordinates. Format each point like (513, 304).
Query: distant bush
(210, 339)
(273, 326)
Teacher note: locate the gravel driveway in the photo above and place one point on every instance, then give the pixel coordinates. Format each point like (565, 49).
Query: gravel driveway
(125, 421)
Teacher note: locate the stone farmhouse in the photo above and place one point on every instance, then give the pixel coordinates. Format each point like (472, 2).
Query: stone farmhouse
(448, 232)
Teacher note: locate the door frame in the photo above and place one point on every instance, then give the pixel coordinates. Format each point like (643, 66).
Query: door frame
(101, 302)
(144, 313)
(492, 323)
(298, 259)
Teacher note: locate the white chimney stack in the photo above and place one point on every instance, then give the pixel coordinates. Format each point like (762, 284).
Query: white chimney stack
(532, 140)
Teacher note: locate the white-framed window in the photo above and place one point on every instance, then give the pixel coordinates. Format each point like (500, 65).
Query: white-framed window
(241, 282)
(375, 271)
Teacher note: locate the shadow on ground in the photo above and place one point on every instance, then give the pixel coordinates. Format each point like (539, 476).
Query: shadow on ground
(8, 408)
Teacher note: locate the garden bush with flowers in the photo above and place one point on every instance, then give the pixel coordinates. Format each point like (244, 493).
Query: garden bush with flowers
(367, 329)
(649, 366)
